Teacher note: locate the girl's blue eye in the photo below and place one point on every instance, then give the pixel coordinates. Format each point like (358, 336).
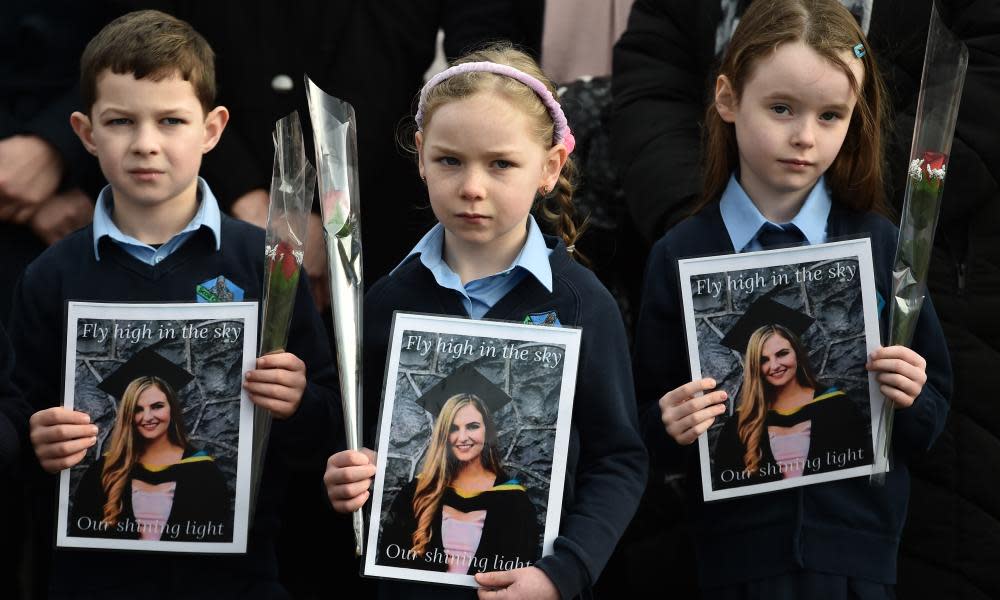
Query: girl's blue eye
(503, 164)
(780, 109)
(450, 161)
(829, 116)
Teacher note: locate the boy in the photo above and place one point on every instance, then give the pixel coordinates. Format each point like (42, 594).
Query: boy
(148, 86)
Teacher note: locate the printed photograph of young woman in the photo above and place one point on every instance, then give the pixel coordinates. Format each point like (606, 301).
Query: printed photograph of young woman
(787, 423)
(462, 512)
(151, 483)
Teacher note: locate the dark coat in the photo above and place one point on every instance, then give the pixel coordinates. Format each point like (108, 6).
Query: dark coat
(14, 411)
(40, 46)
(200, 498)
(837, 426)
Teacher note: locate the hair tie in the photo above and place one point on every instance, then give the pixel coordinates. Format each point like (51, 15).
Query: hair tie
(562, 133)
(859, 50)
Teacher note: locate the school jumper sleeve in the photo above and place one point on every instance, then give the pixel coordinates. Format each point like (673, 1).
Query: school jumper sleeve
(610, 475)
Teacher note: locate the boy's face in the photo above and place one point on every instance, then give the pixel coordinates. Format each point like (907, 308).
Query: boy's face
(149, 137)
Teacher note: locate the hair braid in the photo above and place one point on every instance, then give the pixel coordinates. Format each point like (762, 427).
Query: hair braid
(558, 210)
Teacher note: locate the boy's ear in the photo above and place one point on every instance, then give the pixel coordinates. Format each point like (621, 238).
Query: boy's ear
(418, 141)
(84, 130)
(555, 159)
(215, 123)
(725, 99)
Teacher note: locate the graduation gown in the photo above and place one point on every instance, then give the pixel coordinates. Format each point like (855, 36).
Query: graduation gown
(201, 497)
(839, 439)
(510, 531)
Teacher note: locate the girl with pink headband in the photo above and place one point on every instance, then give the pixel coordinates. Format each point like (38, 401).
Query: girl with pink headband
(562, 132)
(492, 144)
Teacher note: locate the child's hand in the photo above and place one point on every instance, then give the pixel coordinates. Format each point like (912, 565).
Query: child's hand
(348, 476)
(529, 582)
(61, 437)
(277, 383)
(685, 416)
(901, 373)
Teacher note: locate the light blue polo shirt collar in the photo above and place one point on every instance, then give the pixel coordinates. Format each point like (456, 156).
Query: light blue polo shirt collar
(208, 215)
(487, 291)
(743, 220)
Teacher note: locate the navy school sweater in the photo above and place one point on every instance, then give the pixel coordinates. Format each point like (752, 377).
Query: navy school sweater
(70, 271)
(606, 464)
(845, 527)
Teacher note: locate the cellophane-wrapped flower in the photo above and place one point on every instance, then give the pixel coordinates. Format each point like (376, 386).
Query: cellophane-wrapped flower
(335, 138)
(281, 280)
(945, 62)
(293, 185)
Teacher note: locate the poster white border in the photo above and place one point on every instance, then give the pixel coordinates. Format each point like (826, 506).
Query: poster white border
(568, 337)
(856, 249)
(187, 311)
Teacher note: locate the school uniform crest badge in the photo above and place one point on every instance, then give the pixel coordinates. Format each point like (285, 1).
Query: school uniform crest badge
(218, 289)
(549, 318)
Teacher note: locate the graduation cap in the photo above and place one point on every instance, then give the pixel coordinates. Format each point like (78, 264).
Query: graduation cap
(145, 363)
(762, 312)
(465, 380)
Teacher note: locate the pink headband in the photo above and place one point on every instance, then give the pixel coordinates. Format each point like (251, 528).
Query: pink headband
(562, 133)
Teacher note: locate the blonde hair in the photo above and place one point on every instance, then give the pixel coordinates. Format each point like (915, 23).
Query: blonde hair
(556, 207)
(857, 175)
(125, 449)
(757, 396)
(440, 465)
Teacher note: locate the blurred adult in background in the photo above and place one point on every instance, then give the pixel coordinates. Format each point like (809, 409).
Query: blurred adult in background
(663, 66)
(578, 37)
(47, 179)
(47, 182)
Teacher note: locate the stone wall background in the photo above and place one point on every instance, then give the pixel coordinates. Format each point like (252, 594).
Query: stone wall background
(835, 341)
(526, 426)
(210, 401)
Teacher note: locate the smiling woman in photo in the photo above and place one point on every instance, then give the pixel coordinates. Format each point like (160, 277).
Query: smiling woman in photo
(462, 512)
(788, 423)
(151, 484)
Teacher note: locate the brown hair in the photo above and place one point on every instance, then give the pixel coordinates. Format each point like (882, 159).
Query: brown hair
(149, 44)
(856, 176)
(556, 207)
(757, 395)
